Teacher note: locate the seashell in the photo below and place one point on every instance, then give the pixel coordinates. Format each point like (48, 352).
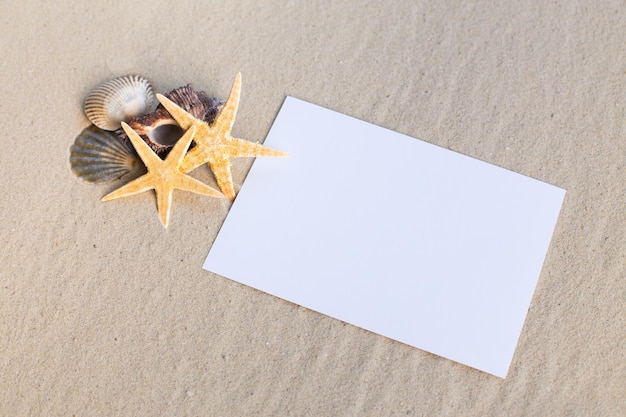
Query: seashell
(99, 156)
(198, 104)
(118, 100)
(212, 106)
(160, 131)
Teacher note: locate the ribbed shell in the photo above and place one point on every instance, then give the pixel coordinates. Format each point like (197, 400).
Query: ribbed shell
(99, 156)
(196, 103)
(118, 100)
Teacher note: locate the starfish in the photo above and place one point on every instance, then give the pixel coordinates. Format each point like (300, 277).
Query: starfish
(163, 175)
(214, 143)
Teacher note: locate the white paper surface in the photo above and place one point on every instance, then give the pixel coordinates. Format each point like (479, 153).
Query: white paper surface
(392, 234)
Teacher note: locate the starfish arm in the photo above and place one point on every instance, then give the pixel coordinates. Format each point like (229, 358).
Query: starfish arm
(177, 153)
(184, 119)
(187, 183)
(221, 171)
(182, 182)
(164, 202)
(224, 121)
(239, 148)
(139, 185)
(146, 154)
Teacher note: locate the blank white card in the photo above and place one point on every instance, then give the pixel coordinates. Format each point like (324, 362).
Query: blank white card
(389, 233)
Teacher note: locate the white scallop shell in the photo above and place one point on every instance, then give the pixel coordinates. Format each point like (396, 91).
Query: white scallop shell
(118, 100)
(99, 156)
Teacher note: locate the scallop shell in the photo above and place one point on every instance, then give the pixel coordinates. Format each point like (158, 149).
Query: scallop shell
(160, 131)
(118, 100)
(99, 156)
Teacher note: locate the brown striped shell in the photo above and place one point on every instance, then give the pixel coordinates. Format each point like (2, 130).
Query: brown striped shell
(118, 100)
(99, 156)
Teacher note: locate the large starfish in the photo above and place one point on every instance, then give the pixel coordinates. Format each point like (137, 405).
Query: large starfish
(163, 175)
(214, 143)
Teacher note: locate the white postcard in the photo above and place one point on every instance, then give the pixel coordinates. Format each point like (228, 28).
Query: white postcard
(403, 238)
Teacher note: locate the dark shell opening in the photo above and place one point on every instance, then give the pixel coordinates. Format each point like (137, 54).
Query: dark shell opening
(166, 134)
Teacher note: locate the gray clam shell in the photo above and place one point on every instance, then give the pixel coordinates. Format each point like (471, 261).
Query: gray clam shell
(98, 156)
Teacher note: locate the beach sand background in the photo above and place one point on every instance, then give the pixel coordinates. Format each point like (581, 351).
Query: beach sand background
(105, 312)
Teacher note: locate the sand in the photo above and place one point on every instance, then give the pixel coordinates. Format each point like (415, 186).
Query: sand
(104, 312)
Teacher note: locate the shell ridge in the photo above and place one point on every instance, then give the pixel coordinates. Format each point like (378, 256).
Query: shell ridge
(99, 156)
(118, 100)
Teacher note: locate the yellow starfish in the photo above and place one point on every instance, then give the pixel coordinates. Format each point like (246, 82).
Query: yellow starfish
(162, 176)
(215, 144)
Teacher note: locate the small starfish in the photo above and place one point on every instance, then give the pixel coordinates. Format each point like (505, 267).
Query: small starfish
(214, 144)
(163, 175)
